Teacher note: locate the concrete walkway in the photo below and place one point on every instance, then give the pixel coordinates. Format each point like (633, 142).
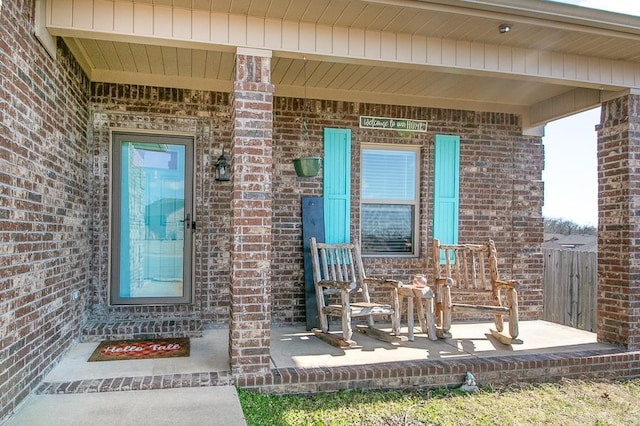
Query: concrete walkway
(126, 392)
(214, 405)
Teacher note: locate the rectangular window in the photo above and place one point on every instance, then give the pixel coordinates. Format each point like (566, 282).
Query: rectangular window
(389, 200)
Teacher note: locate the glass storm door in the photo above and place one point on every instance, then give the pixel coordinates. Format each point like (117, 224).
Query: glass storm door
(152, 219)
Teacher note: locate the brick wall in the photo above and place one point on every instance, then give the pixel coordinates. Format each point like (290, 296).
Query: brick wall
(44, 205)
(619, 222)
(500, 186)
(153, 109)
(428, 374)
(54, 198)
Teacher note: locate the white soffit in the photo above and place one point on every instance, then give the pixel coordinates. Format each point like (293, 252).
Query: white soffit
(431, 53)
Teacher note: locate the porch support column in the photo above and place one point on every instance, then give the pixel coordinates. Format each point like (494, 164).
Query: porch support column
(619, 222)
(251, 212)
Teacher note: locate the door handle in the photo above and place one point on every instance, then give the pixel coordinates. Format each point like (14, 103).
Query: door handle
(188, 223)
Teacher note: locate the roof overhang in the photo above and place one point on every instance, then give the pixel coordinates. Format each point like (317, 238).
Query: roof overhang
(556, 60)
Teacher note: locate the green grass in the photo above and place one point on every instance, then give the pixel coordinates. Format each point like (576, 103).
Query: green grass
(568, 403)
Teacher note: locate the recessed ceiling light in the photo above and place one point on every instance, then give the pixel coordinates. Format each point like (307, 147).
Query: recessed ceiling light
(504, 28)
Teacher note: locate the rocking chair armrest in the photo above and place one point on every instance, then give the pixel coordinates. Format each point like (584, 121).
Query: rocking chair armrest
(446, 281)
(340, 285)
(507, 284)
(383, 282)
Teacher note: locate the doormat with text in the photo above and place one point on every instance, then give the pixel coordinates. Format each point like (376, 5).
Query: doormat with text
(114, 350)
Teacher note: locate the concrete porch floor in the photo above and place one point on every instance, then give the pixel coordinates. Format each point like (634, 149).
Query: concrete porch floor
(294, 347)
(71, 388)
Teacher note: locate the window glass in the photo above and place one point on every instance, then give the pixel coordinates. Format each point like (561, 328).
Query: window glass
(389, 200)
(388, 174)
(387, 228)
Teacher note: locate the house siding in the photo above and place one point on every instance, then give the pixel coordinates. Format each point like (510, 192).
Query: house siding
(45, 216)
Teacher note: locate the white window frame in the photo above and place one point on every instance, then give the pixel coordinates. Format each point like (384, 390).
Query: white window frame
(415, 202)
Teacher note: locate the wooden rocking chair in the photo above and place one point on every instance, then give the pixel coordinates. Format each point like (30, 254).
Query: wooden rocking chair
(339, 277)
(472, 270)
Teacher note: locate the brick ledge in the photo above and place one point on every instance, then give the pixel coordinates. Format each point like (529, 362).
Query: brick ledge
(119, 384)
(611, 364)
(96, 330)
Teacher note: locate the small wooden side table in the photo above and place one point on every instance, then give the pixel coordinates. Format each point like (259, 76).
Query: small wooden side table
(418, 295)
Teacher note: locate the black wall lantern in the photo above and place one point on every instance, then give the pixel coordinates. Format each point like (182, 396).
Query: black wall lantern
(222, 167)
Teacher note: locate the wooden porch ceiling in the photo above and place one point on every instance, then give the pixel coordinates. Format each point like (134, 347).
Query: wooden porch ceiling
(556, 60)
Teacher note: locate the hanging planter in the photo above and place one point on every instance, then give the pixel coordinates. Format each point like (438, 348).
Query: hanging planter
(307, 166)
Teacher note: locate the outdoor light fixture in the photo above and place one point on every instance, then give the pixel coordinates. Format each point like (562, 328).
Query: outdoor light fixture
(222, 167)
(504, 28)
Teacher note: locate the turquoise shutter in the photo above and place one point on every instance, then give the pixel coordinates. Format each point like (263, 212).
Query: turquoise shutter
(446, 187)
(337, 185)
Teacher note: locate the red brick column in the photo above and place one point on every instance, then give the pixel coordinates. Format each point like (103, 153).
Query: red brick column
(251, 205)
(619, 222)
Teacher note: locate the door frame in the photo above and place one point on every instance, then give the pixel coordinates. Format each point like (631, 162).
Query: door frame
(189, 141)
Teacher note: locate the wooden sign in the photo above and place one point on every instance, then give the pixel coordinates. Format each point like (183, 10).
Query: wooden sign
(386, 123)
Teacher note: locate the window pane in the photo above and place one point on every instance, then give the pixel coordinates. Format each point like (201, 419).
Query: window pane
(151, 220)
(387, 228)
(388, 175)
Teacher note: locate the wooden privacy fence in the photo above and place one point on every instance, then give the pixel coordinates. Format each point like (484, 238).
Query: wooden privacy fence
(569, 283)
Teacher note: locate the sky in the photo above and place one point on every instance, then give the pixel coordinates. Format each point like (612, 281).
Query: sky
(630, 7)
(570, 174)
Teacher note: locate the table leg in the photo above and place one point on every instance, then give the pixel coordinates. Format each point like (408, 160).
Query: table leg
(431, 320)
(421, 314)
(410, 317)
